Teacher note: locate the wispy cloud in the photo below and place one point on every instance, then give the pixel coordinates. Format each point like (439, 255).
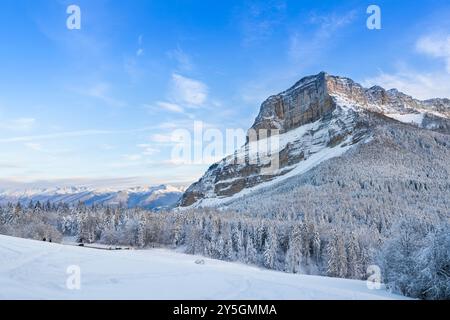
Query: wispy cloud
(56, 135)
(256, 92)
(306, 41)
(436, 46)
(132, 157)
(304, 46)
(91, 43)
(184, 93)
(131, 62)
(172, 107)
(188, 91)
(258, 20)
(71, 134)
(140, 50)
(20, 124)
(187, 124)
(148, 149)
(183, 60)
(329, 23)
(101, 91)
(162, 138)
(38, 147)
(8, 165)
(107, 147)
(33, 146)
(421, 84)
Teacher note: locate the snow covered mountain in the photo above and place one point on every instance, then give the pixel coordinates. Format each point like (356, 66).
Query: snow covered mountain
(154, 198)
(336, 134)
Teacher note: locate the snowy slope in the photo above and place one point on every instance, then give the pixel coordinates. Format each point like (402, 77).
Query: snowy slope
(37, 270)
(299, 150)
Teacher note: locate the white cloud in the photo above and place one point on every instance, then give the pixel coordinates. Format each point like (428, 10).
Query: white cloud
(107, 147)
(306, 42)
(56, 135)
(170, 107)
(189, 91)
(259, 19)
(330, 23)
(132, 157)
(102, 91)
(161, 138)
(140, 52)
(183, 60)
(148, 149)
(36, 146)
(33, 146)
(421, 85)
(304, 46)
(175, 124)
(72, 134)
(8, 165)
(20, 124)
(184, 93)
(258, 91)
(436, 46)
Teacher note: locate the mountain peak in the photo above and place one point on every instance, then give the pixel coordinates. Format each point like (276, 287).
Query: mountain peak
(314, 96)
(320, 117)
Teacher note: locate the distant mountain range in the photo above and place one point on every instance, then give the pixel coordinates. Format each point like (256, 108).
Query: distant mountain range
(152, 198)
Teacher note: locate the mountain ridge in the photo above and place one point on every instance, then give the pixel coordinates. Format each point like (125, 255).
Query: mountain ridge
(148, 197)
(320, 116)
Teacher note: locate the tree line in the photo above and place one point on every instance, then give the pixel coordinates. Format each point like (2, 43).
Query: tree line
(413, 252)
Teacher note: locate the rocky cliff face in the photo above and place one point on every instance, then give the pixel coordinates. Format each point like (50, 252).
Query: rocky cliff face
(306, 102)
(315, 96)
(319, 118)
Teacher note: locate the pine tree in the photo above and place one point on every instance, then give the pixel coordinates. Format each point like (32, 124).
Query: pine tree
(337, 257)
(316, 246)
(177, 235)
(250, 251)
(294, 254)
(237, 243)
(433, 282)
(227, 253)
(354, 268)
(17, 209)
(400, 255)
(270, 249)
(141, 235)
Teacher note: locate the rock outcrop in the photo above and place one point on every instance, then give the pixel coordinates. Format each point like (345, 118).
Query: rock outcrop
(318, 118)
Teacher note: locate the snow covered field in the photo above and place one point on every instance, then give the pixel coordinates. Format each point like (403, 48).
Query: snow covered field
(37, 270)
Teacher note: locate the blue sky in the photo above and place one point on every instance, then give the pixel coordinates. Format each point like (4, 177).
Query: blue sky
(101, 103)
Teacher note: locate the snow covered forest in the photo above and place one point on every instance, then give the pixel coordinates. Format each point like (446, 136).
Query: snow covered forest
(413, 252)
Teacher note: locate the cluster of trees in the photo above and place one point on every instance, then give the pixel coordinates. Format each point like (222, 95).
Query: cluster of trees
(31, 222)
(416, 259)
(295, 243)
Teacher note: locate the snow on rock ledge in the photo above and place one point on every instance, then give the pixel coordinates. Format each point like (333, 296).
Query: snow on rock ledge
(320, 114)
